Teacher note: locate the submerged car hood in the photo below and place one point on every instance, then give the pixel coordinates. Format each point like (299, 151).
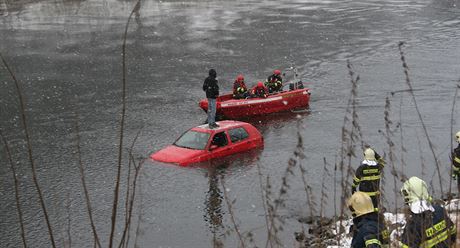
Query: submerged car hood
(175, 154)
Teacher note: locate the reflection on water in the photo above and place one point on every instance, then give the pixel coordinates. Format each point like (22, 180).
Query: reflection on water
(213, 205)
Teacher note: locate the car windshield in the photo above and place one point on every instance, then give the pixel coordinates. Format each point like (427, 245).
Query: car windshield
(193, 140)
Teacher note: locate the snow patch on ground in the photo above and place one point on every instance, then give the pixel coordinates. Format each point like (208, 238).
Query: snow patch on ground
(395, 223)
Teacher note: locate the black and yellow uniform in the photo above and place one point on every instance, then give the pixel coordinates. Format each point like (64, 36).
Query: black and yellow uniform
(429, 229)
(240, 91)
(274, 83)
(369, 231)
(456, 165)
(367, 180)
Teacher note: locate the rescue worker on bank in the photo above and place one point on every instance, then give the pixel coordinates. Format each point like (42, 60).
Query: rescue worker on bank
(456, 161)
(367, 230)
(260, 90)
(428, 224)
(240, 91)
(367, 176)
(274, 82)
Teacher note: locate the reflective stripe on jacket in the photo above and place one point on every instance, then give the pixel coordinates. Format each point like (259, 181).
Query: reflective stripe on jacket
(369, 232)
(429, 229)
(456, 160)
(367, 177)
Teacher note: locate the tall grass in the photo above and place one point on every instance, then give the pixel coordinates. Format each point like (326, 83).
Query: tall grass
(16, 189)
(411, 91)
(122, 126)
(29, 151)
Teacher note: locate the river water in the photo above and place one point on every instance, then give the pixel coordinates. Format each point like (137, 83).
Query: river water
(67, 56)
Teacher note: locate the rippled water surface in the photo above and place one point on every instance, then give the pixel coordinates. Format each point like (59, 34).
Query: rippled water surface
(67, 56)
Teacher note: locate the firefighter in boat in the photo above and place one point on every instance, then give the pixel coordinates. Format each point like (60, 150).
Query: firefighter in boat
(240, 91)
(260, 90)
(274, 82)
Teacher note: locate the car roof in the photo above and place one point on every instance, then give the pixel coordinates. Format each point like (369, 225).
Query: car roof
(223, 125)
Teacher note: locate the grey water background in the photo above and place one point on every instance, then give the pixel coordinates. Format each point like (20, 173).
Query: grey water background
(67, 55)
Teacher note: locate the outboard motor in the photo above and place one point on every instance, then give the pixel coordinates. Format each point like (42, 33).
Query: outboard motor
(296, 85)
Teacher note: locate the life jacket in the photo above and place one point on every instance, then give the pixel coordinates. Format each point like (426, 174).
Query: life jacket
(239, 87)
(260, 91)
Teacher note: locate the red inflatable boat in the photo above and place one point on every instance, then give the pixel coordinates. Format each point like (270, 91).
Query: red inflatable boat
(230, 108)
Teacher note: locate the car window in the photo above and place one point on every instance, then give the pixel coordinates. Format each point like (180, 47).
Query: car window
(220, 139)
(238, 134)
(193, 140)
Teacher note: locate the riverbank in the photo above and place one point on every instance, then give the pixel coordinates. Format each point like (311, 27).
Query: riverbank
(324, 232)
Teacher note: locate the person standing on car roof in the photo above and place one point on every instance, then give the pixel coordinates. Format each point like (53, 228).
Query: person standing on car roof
(211, 88)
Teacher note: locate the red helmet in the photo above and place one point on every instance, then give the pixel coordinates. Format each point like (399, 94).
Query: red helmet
(240, 77)
(260, 84)
(277, 72)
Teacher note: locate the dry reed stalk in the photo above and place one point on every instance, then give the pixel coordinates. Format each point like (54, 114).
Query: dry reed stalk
(263, 196)
(85, 188)
(29, 151)
(16, 189)
(279, 201)
(69, 221)
(391, 147)
(230, 211)
(122, 123)
(127, 199)
(401, 139)
(451, 158)
(273, 237)
(138, 229)
(324, 188)
(451, 135)
(131, 200)
(347, 150)
(409, 84)
(299, 154)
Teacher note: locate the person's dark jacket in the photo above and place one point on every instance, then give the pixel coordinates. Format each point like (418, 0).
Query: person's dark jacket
(369, 232)
(456, 160)
(367, 177)
(260, 91)
(210, 85)
(429, 229)
(274, 78)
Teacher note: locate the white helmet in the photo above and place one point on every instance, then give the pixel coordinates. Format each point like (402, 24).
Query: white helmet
(369, 154)
(415, 189)
(457, 137)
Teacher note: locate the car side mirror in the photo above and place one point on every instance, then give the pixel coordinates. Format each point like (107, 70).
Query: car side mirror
(213, 147)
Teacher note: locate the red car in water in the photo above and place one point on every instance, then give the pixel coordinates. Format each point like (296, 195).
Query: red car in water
(202, 143)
